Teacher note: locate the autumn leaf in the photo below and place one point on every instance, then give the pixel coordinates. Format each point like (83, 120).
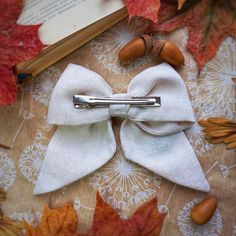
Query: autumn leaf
(147, 9)
(209, 22)
(146, 221)
(7, 85)
(55, 222)
(18, 43)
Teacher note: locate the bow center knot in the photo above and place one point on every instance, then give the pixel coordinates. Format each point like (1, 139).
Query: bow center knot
(119, 110)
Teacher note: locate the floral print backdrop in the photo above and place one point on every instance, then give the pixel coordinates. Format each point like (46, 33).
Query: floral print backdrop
(123, 184)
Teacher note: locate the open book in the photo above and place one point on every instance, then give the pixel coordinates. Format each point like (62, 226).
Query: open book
(67, 25)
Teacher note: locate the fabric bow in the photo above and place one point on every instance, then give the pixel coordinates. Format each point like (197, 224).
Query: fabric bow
(151, 137)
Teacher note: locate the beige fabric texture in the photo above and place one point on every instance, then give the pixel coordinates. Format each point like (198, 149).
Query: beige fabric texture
(122, 183)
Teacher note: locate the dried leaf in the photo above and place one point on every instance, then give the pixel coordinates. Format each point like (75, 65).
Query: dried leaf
(55, 222)
(146, 221)
(209, 22)
(10, 227)
(18, 43)
(148, 9)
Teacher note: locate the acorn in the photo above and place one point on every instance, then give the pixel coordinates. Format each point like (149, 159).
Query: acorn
(168, 52)
(136, 48)
(204, 211)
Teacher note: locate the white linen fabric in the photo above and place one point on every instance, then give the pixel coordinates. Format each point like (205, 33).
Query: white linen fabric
(153, 137)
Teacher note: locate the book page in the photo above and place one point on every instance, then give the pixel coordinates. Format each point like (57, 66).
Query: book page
(61, 18)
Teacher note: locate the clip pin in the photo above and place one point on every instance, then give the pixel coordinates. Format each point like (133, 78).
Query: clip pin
(82, 101)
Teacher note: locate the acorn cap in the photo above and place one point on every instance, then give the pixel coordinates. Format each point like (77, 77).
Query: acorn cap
(168, 52)
(148, 40)
(157, 47)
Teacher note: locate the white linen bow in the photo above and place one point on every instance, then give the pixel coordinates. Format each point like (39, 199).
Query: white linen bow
(151, 137)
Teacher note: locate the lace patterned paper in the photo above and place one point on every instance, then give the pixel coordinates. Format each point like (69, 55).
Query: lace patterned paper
(43, 85)
(188, 228)
(31, 160)
(123, 183)
(7, 171)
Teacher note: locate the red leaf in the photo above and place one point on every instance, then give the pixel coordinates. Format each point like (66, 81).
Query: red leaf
(7, 86)
(106, 221)
(10, 11)
(208, 22)
(146, 221)
(18, 43)
(147, 9)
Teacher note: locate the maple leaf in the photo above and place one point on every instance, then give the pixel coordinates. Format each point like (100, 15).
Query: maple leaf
(55, 222)
(146, 221)
(147, 9)
(7, 85)
(209, 22)
(18, 43)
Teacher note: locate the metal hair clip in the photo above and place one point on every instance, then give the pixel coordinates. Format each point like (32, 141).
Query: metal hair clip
(82, 101)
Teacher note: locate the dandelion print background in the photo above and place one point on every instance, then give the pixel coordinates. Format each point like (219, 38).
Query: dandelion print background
(123, 184)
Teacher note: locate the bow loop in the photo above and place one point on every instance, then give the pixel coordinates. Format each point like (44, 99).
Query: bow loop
(77, 80)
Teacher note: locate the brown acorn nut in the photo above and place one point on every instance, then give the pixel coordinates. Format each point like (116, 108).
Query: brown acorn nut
(168, 52)
(204, 211)
(135, 48)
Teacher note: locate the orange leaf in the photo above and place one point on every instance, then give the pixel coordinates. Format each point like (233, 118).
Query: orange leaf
(106, 221)
(55, 222)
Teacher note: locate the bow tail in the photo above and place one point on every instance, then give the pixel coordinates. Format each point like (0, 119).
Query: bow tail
(169, 156)
(73, 152)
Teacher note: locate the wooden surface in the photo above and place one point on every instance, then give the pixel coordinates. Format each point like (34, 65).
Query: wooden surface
(24, 127)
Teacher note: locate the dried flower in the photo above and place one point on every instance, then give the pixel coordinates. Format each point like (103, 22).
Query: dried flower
(220, 130)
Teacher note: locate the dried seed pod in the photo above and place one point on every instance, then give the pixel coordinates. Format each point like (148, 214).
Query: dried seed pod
(168, 52)
(136, 48)
(204, 211)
